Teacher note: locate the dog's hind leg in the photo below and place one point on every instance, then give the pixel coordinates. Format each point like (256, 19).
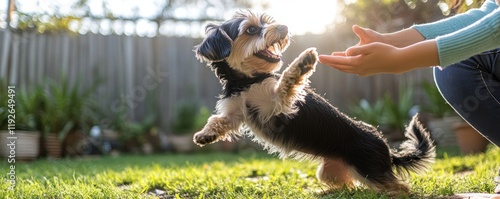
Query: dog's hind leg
(335, 173)
(294, 78)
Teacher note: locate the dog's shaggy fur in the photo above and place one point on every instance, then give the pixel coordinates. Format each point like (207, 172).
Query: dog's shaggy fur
(287, 117)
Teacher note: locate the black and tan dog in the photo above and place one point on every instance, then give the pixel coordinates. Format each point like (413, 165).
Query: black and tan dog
(287, 117)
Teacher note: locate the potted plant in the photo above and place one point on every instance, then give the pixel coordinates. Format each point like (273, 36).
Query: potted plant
(54, 121)
(83, 113)
(28, 114)
(189, 119)
(446, 126)
(26, 107)
(67, 110)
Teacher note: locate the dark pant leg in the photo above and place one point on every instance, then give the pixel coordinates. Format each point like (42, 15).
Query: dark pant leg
(472, 88)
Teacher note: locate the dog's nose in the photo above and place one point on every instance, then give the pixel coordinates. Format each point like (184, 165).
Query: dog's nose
(283, 30)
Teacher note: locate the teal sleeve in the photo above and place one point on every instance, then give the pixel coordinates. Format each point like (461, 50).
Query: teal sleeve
(483, 35)
(457, 22)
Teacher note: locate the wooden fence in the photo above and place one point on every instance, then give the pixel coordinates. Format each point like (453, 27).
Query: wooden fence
(146, 74)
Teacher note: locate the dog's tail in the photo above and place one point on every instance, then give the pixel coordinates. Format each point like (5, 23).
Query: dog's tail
(417, 153)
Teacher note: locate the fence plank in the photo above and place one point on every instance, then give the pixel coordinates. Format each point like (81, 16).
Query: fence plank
(6, 40)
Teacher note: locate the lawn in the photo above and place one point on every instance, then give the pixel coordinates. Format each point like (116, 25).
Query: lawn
(224, 175)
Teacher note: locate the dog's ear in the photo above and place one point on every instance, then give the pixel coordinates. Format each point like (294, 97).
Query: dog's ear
(216, 46)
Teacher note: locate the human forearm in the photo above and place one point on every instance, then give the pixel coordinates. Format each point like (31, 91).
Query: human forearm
(419, 55)
(402, 38)
(454, 23)
(481, 36)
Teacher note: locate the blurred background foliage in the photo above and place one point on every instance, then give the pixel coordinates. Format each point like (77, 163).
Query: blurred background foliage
(391, 15)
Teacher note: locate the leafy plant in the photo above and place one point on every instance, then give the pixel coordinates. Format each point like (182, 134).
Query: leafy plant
(367, 112)
(3, 117)
(135, 130)
(386, 112)
(190, 118)
(398, 112)
(436, 105)
(68, 107)
(29, 107)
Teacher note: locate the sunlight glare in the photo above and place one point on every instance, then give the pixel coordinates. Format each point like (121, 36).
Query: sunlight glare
(302, 17)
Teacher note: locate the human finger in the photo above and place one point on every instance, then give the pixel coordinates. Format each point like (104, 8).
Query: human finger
(344, 68)
(347, 69)
(361, 33)
(365, 49)
(336, 53)
(336, 60)
(354, 51)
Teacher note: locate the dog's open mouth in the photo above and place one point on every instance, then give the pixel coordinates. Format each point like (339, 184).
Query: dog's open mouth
(271, 54)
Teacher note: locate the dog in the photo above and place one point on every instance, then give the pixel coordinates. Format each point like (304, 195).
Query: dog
(287, 117)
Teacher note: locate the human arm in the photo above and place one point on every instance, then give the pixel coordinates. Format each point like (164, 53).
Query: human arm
(456, 22)
(400, 38)
(478, 37)
(374, 58)
(420, 32)
(384, 53)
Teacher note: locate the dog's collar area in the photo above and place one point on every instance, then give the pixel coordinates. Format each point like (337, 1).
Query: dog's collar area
(234, 82)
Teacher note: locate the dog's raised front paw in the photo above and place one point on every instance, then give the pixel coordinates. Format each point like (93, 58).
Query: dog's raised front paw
(203, 138)
(307, 60)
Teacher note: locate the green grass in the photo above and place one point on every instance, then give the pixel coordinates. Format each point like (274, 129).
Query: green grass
(220, 175)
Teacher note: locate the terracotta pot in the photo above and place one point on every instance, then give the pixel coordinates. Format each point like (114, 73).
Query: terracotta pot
(75, 143)
(442, 130)
(25, 146)
(52, 146)
(469, 140)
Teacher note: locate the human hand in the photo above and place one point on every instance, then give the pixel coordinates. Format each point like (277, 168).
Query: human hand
(376, 57)
(396, 52)
(365, 36)
(341, 60)
(364, 60)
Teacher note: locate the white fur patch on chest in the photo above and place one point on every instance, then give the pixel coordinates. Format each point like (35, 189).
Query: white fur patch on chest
(264, 98)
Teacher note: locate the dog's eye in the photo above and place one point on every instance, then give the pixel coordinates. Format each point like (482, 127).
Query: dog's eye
(252, 30)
